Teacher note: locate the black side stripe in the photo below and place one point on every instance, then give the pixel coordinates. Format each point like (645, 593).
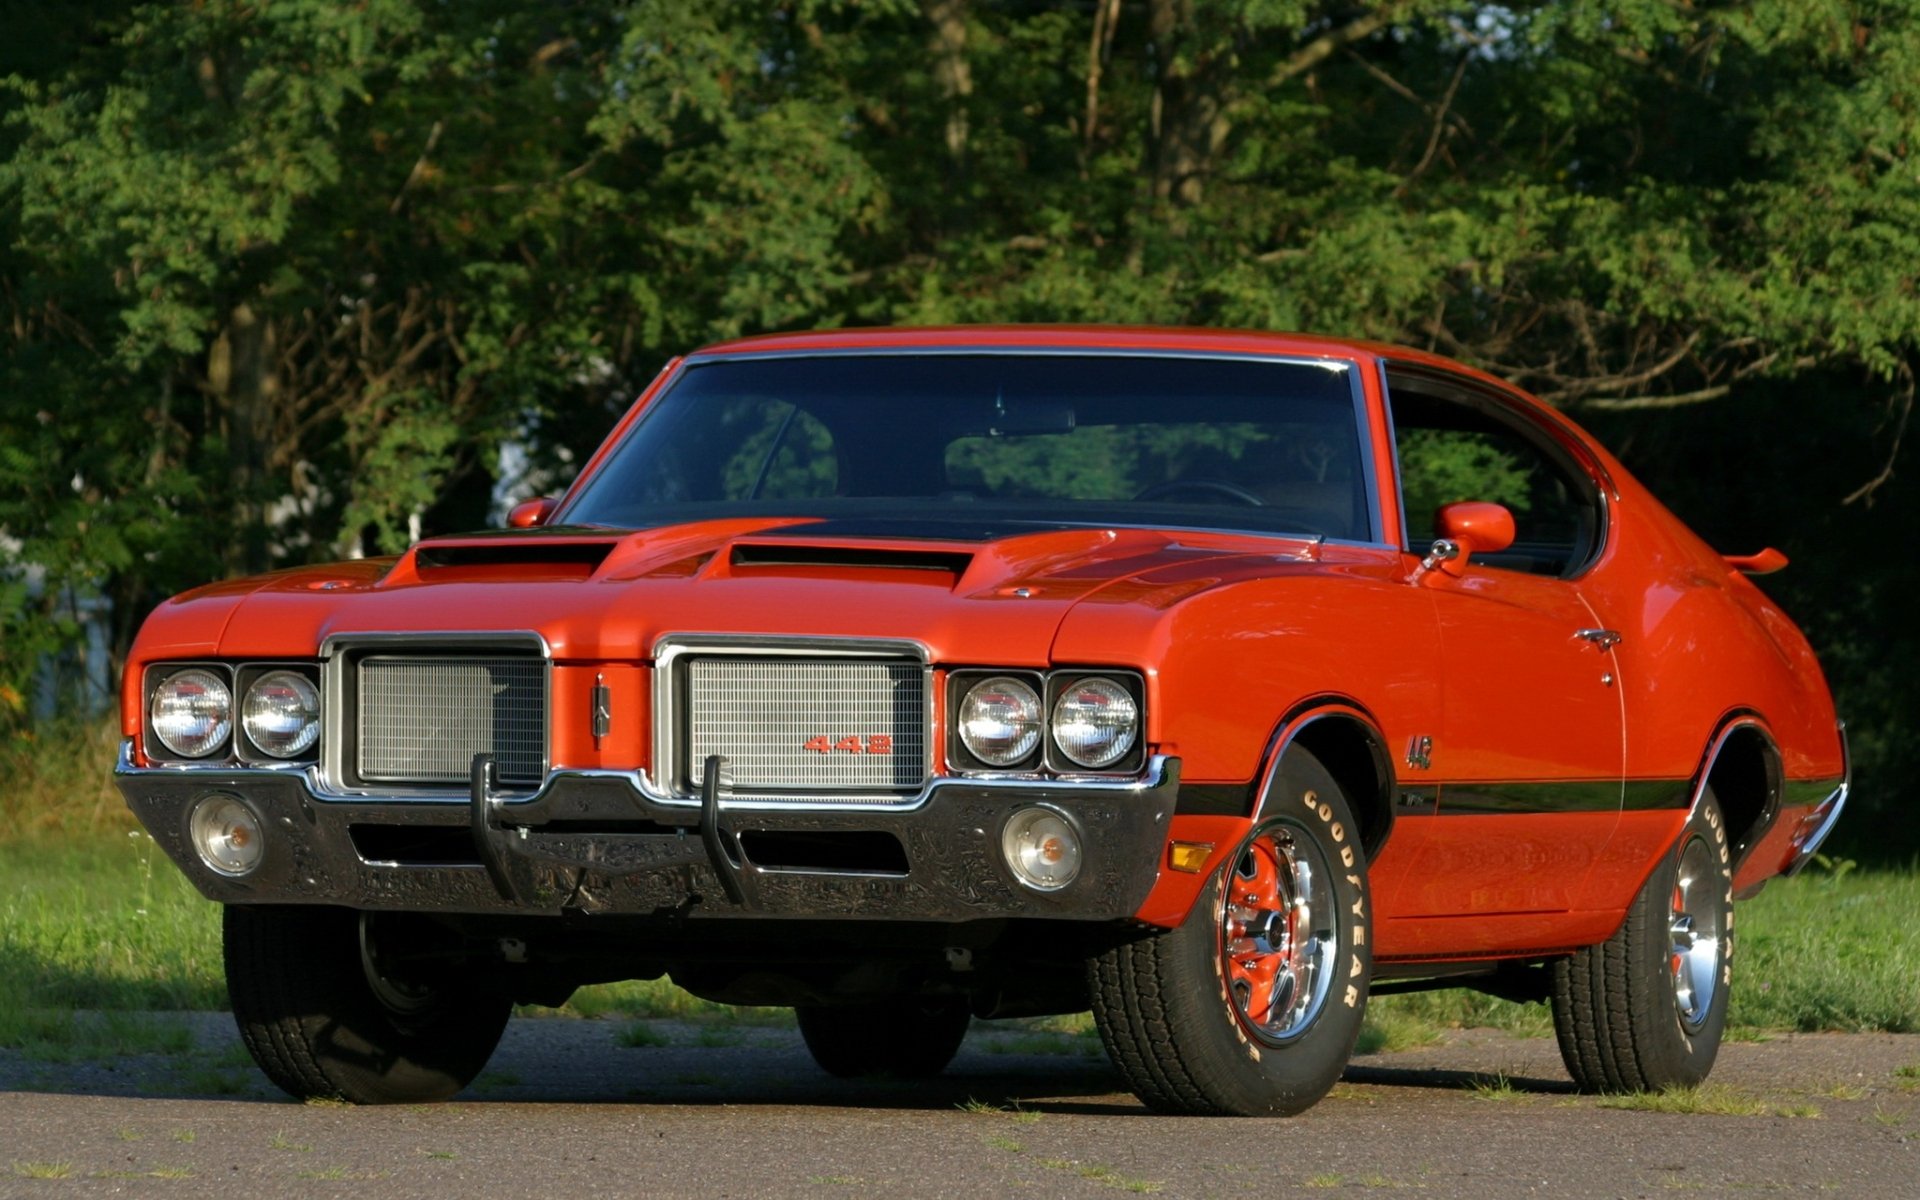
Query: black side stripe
(1510, 799)
(1561, 796)
(1214, 800)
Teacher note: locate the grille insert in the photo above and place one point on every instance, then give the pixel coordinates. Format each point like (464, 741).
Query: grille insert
(421, 719)
(865, 720)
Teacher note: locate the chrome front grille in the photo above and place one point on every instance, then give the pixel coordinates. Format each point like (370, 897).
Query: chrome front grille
(792, 728)
(420, 719)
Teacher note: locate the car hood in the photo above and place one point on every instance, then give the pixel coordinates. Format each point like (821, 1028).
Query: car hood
(982, 594)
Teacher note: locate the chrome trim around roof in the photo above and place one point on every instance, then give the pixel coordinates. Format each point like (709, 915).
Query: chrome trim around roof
(1329, 361)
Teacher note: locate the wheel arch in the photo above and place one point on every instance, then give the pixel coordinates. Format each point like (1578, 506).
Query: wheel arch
(1742, 766)
(1347, 740)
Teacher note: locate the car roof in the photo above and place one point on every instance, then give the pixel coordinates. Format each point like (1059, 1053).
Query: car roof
(1170, 339)
(1088, 337)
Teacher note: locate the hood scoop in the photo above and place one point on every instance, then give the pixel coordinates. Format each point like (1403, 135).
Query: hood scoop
(438, 562)
(748, 556)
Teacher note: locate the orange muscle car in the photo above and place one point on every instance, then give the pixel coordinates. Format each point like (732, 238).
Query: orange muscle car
(1207, 680)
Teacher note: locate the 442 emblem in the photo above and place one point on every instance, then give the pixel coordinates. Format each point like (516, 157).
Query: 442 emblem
(872, 743)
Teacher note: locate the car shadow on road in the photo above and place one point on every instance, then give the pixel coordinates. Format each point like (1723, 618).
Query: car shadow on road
(561, 1063)
(1451, 1080)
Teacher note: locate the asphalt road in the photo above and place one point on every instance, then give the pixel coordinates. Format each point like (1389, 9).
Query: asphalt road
(565, 1110)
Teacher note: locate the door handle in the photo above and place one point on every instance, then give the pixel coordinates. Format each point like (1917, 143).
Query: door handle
(1605, 639)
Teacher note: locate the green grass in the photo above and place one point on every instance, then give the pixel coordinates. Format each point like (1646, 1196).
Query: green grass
(986, 1108)
(107, 924)
(640, 1036)
(40, 1170)
(656, 999)
(1042, 1043)
(104, 924)
(1708, 1099)
(93, 917)
(52, 1035)
(1392, 1024)
(1497, 1088)
(60, 782)
(1828, 951)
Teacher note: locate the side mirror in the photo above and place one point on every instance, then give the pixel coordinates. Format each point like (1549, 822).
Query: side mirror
(529, 513)
(1466, 528)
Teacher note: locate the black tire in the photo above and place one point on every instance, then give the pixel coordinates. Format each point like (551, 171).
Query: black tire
(906, 1038)
(322, 1023)
(1178, 1012)
(1629, 1012)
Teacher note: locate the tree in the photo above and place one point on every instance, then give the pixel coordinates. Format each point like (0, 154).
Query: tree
(280, 278)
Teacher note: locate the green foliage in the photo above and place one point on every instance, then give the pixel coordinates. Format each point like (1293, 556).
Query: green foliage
(1438, 467)
(280, 279)
(59, 780)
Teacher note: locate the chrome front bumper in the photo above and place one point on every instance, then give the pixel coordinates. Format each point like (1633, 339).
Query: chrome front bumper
(591, 841)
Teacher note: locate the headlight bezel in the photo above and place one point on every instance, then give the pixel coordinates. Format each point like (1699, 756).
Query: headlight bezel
(1060, 687)
(235, 747)
(1048, 759)
(157, 677)
(962, 686)
(251, 675)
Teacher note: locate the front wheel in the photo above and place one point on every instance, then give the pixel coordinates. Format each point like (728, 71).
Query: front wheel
(1645, 1009)
(328, 1010)
(1252, 1006)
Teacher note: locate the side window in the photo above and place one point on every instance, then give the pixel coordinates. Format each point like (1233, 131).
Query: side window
(1457, 445)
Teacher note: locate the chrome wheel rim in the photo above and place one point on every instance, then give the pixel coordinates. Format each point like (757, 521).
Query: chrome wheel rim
(1696, 939)
(1278, 929)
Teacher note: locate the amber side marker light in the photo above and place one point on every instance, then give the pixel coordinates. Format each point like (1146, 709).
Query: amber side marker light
(1190, 857)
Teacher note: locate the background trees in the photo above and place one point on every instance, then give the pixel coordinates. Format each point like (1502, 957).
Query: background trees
(280, 279)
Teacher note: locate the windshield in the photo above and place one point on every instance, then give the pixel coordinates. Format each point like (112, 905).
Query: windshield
(1011, 440)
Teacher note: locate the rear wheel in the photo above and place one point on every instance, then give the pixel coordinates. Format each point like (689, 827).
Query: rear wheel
(906, 1038)
(326, 1011)
(1251, 1007)
(1645, 1009)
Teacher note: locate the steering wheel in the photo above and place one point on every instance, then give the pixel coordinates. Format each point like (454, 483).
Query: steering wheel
(1210, 487)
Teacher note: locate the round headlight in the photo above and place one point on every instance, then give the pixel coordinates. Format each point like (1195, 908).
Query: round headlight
(192, 713)
(1042, 849)
(227, 835)
(281, 713)
(1095, 722)
(1000, 721)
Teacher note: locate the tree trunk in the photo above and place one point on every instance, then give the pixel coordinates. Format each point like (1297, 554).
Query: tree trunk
(1187, 122)
(241, 371)
(951, 72)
